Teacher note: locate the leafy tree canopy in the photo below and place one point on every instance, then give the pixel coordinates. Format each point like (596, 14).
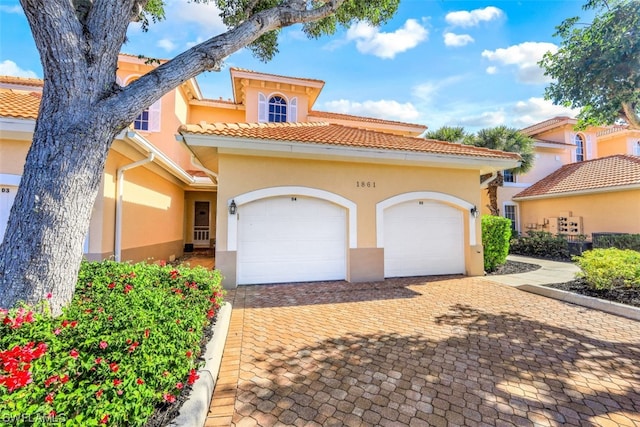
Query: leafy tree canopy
(448, 133)
(597, 67)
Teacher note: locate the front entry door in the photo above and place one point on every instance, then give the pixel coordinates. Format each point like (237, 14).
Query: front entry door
(201, 228)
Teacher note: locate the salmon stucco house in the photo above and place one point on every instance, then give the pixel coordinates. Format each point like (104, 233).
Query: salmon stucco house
(582, 181)
(283, 192)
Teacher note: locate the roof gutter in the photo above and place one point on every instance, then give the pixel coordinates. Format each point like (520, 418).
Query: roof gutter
(580, 192)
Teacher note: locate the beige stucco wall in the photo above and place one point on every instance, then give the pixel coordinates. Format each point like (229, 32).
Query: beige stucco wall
(201, 113)
(13, 155)
(617, 211)
(152, 214)
(242, 174)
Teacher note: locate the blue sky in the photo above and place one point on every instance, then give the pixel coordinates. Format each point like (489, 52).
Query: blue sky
(440, 62)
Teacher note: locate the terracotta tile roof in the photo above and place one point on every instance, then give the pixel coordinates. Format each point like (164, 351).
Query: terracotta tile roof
(338, 135)
(25, 81)
(546, 141)
(340, 116)
(258, 73)
(531, 130)
(605, 173)
(19, 104)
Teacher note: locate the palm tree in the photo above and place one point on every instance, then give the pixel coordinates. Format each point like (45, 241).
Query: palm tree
(448, 133)
(505, 139)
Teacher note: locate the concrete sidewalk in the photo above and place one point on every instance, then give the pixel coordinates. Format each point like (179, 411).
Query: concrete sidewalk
(550, 272)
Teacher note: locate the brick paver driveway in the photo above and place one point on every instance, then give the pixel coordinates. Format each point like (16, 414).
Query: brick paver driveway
(424, 351)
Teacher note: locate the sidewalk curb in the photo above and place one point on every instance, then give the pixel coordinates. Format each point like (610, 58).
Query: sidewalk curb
(193, 412)
(610, 307)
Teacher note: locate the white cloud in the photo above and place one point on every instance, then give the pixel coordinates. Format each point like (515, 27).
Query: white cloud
(11, 9)
(457, 40)
(463, 18)
(427, 91)
(206, 15)
(524, 57)
(383, 109)
(492, 70)
(10, 68)
(535, 110)
(486, 119)
(166, 44)
(370, 40)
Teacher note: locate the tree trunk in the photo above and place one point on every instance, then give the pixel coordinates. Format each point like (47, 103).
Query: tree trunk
(492, 192)
(42, 247)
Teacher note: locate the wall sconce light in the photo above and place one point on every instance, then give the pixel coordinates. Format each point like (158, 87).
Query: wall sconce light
(232, 208)
(474, 212)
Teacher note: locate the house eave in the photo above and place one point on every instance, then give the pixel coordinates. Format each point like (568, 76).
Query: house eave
(243, 146)
(580, 192)
(17, 129)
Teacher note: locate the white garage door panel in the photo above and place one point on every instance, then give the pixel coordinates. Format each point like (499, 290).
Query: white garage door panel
(423, 239)
(285, 240)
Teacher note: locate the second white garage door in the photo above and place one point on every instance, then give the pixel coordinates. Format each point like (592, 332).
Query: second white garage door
(291, 239)
(423, 238)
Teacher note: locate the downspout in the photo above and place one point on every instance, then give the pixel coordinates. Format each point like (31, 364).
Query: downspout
(203, 169)
(120, 178)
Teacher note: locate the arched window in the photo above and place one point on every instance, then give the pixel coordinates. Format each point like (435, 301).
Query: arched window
(579, 141)
(277, 109)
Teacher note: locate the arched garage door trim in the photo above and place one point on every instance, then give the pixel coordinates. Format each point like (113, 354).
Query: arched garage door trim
(417, 195)
(232, 227)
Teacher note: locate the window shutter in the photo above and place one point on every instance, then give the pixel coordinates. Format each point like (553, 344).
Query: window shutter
(262, 108)
(293, 110)
(154, 116)
(587, 149)
(574, 150)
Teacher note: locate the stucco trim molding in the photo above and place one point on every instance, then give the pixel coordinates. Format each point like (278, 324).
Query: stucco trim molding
(242, 199)
(417, 195)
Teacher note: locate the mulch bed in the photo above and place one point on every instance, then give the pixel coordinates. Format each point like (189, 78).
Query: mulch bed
(628, 296)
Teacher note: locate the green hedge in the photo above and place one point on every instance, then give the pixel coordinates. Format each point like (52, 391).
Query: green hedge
(127, 344)
(541, 244)
(620, 241)
(496, 232)
(610, 268)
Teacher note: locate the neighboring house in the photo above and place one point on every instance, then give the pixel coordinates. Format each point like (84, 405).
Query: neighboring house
(557, 175)
(283, 192)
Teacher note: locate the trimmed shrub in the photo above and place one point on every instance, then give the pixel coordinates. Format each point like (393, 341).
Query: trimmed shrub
(541, 244)
(496, 232)
(614, 240)
(127, 344)
(610, 268)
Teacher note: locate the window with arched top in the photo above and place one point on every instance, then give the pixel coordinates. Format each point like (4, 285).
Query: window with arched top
(277, 109)
(579, 141)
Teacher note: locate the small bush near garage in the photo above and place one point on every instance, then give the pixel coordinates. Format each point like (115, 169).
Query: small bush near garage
(610, 268)
(615, 240)
(496, 232)
(541, 244)
(126, 346)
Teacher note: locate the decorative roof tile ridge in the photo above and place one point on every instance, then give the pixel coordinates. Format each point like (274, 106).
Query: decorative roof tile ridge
(545, 123)
(245, 70)
(365, 118)
(27, 81)
(612, 129)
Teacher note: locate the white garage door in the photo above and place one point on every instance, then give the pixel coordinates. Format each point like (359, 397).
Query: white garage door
(291, 239)
(423, 238)
(7, 196)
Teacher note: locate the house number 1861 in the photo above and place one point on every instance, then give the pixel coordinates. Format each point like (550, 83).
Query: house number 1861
(365, 184)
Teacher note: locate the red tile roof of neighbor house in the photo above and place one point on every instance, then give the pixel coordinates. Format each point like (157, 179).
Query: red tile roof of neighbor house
(341, 116)
(19, 104)
(339, 135)
(26, 81)
(605, 173)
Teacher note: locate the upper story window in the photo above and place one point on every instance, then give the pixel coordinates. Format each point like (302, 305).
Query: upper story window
(277, 109)
(579, 141)
(636, 148)
(508, 175)
(149, 119)
(511, 213)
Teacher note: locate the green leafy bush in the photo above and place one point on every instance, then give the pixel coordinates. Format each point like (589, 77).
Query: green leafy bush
(541, 244)
(610, 268)
(620, 241)
(128, 343)
(496, 232)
